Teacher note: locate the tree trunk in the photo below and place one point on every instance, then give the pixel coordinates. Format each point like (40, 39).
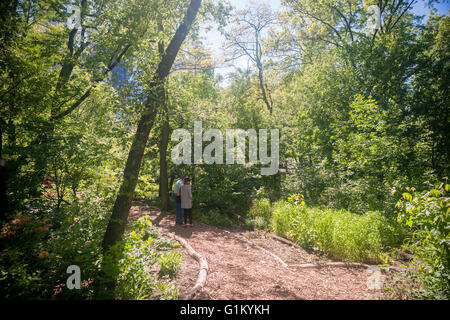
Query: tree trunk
(263, 89)
(3, 188)
(163, 178)
(258, 56)
(119, 217)
(3, 177)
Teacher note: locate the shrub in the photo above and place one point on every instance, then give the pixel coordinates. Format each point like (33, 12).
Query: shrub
(46, 241)
(132, 263)
(260, 214)
(427, 215)
(213, 217)
(39, 246)
(283, 218)
(338, 233)
(169, 263)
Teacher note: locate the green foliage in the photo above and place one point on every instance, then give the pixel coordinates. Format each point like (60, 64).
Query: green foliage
(166, 291)
(360, 118)
(427, 215)
(214, 217)
(132, 263)
(338, 233)
(169, 263)
(260, 214)
(221, 187)
(367, 154)
(37, 252)
(431, 96)
(46, 243)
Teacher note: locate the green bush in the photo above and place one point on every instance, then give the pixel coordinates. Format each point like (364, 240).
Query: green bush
(132, 263)
(256, 223)
(169, 263)
(338, 233)
(214, 217)
(427, 215)
(40, 245)
(260, 214)
(283, 218)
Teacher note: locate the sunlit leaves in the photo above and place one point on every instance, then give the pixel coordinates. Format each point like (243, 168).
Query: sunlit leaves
(428, 215)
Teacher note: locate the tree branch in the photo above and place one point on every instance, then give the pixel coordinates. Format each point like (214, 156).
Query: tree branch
(88, 92)
(320, 20)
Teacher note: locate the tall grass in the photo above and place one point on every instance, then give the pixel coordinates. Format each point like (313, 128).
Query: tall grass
(260, 214)
(338, 233)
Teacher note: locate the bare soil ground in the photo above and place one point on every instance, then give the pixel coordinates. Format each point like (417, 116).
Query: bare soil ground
(241, 266)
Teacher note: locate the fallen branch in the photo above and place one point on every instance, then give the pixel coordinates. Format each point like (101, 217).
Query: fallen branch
(273, 255)
(405, 256)
(330, 264)
(286, 241)
(238, 217)
(266, 251)
(201, 279)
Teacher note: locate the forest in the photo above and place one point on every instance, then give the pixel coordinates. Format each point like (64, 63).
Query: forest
(317, 136)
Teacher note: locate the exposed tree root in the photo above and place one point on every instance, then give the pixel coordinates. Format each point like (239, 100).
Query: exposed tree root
(285, 241)
(201, 280)
(330, 264)
(266, 251)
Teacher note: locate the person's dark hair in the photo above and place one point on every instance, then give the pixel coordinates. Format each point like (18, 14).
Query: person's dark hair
(187, 179)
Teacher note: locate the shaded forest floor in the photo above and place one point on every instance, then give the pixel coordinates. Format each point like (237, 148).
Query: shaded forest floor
(243, 265)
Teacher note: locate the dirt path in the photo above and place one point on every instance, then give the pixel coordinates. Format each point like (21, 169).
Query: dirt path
(245, 265)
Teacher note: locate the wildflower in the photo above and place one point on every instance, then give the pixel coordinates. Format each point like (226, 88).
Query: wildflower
(58, 289)
(44, 254)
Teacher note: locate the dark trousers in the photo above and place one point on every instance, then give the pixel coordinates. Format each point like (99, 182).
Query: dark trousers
(179, 211)
(187, 216)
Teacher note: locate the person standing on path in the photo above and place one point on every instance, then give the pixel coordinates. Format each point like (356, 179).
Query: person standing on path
(186, 201)
(177, 199)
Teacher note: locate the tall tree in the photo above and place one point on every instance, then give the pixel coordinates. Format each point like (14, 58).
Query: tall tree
(119, 217)
(245, 39)
(432, 90)
(163, 178)
(49, 68)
